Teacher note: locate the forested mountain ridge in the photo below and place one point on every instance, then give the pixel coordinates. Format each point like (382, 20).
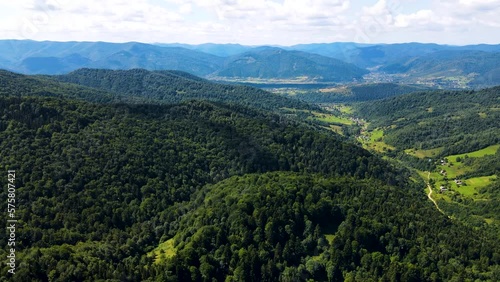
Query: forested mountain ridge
(140, 86)
(222, 50)
(176, 86)
(373, 55)
(47, 57)
(13, 84)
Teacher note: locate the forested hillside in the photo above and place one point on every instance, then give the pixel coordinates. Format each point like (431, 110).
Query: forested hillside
(176, 86)
(105, 179)
(462, 121)
(13, 84)
(292, 227)
(161, 176)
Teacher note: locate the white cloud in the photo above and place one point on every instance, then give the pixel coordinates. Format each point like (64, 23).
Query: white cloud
(56, 18)
(422, 17)
(480, 5)
(249, 21)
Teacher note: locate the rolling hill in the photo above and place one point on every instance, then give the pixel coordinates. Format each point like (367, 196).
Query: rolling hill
(101, 184)
(13, 84)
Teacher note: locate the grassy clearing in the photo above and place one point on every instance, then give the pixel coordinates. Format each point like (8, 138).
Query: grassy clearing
(345, 109)
(337, 89)
(431, 153)
(164, 250)
(329, 118)
(455, 169)
(489, 220)
(467, 190)
(377, 135)
(491, 150)
(479, 182)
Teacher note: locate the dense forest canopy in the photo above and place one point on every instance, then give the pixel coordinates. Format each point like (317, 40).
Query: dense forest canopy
(122, 178)
(112, 174)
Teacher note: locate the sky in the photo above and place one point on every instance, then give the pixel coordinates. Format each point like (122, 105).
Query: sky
(253, 22)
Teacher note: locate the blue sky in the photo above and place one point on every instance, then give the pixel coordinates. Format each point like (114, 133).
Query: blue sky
(253, 22)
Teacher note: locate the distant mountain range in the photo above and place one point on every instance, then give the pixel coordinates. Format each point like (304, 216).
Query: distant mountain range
(477, 67)
(430, 64)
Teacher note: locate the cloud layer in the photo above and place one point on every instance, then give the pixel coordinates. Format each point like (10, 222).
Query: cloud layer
(283, 22)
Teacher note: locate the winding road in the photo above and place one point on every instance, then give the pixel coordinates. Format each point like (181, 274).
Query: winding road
(430, 194)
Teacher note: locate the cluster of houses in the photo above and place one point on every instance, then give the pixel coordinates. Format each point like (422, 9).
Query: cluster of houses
(443, 188)
(457, 181)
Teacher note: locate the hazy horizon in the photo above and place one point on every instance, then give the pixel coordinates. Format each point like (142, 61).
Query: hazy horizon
(247, 45)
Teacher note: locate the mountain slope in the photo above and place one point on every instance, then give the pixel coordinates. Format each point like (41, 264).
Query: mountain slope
(102, 183)
(13, 84)
(221, 50)
(176, 86)
(268, 62)
(453, 138)
(40, 65)
(373, 55)
(436, 124)
(356, 93)
(160, 58)
(463, 121)
(481, 68)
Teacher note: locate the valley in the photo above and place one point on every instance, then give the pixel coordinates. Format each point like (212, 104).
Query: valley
(461, 171)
